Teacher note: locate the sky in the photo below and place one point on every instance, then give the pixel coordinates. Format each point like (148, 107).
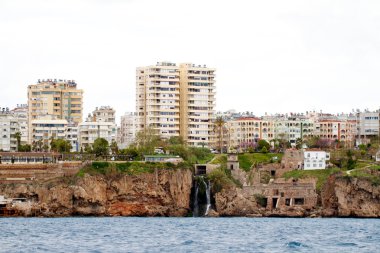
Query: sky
(271, 56)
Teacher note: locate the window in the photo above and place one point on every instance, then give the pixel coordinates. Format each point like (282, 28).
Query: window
(299, 201)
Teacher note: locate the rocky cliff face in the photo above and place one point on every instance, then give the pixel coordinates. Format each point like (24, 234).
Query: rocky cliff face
(351, 197)
(238, 202)
(342, 196)
(163, 193)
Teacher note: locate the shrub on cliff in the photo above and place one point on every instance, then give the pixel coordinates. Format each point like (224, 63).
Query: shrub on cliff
(219, 180)
(130, 168)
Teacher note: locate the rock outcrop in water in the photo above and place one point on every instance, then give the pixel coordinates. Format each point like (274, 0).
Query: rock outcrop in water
(162, 193)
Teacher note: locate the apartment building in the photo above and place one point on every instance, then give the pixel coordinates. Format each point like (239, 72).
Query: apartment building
(103, 114)
(58, 98)
(340, 130)
(246, 131)
(44, 129)
(21, 114)
(9, 126)
(368, 124)
(72, 136)
(90, 131)
(292, 128)
(127, 130)
(177, 100)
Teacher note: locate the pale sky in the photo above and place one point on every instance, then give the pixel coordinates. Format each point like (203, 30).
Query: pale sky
(271, 56)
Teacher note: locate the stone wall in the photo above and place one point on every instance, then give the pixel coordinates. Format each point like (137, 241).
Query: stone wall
(22, 173)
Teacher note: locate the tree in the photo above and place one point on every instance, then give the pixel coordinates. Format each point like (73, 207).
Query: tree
(219, 125)
(37, 145)
(17, 135)
(100, 147)
(114, 148)
(299, 143)
(25, 148)
(60, 145)
(264, 150)
(147, 139)
(176, 140)
(45, 148)
(88, 149)
(263, 144)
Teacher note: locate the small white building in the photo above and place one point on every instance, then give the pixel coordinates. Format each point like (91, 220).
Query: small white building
(315, 159)
(378, 156)
(90, 131)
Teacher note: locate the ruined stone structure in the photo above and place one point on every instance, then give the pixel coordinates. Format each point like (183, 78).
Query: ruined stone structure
(292, 159)
(24, 173)
(281, 193)
(264, 186)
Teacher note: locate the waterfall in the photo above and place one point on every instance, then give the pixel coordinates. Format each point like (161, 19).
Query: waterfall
(208, 186)
(202, 197)
(195, 206)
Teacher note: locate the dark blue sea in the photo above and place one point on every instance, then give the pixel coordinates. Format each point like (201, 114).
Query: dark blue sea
(189, 235)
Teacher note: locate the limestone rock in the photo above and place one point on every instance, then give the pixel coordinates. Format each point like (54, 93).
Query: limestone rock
(162, 193)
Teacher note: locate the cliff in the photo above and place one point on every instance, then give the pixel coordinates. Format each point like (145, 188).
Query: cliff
(346, 196)
(164, 192)
(341, 196)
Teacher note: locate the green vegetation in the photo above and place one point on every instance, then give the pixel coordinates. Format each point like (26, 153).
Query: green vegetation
(367, 171)
(60, 145)
(247, 160)
(100, 147)
(25, 148)
(320, 175)
(366, 174)
(130, 168)
(219, 159)
(221, 178)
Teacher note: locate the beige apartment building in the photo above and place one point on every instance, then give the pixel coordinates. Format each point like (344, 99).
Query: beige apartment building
(177, 100)
(58, 98)
(102, 114)
(244, 132)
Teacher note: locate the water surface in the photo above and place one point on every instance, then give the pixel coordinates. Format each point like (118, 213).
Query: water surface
(189, 235)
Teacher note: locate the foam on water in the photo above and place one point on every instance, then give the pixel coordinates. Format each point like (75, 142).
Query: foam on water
(188, 235)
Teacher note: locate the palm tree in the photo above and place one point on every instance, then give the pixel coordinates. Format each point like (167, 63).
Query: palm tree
(219, 128)
(39, 145)
(17, 135)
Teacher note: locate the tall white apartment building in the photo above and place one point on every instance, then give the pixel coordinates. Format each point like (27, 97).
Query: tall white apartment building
(177, 100)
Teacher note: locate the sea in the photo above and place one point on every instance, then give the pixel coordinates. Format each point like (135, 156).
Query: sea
(132, 234)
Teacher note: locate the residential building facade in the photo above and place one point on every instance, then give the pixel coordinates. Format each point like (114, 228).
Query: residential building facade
(58, 98)
(90, 131)
(21, 114)
(315, 159)
(9, 126)
(177, 100)
(127, 130)
(43, 130)
(103, 114)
